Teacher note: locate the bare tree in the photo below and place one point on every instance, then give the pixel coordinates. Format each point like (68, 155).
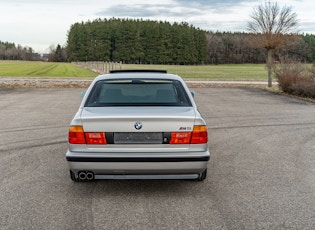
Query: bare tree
(272, 28)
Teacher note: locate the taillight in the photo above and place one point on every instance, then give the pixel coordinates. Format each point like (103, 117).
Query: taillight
(95, 138)
(199, 135)
(78, 136)
(180, 138)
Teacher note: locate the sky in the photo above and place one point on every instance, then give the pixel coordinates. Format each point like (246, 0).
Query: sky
(41, 24)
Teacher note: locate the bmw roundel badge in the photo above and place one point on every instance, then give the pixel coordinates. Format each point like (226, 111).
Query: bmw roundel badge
(138, 125)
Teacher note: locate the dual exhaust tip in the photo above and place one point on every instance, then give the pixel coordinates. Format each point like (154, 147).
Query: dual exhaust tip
(86, 176)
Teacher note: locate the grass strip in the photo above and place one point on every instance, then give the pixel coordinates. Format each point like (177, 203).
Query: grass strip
(247, 72)
(43, 69)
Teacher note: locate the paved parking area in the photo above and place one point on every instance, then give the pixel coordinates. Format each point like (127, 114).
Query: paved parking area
(261, 174)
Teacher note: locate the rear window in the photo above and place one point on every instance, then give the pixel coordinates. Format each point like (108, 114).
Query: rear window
(137, 92)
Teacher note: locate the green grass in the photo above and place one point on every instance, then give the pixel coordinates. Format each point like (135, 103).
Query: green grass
(42, 69)
(213, 72)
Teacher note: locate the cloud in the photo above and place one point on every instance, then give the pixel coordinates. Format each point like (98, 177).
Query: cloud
(209, 15)
(44, 22)
(217, 6)
(306, 27)
(148, 10)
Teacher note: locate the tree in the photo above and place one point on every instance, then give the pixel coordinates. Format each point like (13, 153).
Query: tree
(57, 54)
(272, 28)
(310, 40)
(136, 41)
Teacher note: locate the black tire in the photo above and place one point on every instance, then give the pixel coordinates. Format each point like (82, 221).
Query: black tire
(202, 176)
(72, 176)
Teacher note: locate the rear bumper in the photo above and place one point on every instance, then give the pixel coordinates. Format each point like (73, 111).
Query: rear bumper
(152, 165)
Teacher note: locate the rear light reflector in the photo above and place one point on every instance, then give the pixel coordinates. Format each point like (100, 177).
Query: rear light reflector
(199, 135)
(78, 136)
(95, 138)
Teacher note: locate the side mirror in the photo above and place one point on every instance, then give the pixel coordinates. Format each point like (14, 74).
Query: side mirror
(192, 93)
(82, 94)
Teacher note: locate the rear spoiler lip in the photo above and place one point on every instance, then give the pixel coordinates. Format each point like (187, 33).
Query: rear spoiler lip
(138, 71)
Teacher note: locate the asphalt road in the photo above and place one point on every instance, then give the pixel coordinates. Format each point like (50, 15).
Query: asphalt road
(261, 174)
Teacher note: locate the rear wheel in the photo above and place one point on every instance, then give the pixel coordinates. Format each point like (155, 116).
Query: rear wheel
(73, 177)
(202, 176)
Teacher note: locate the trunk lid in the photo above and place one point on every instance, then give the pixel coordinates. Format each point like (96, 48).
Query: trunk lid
(137, 119)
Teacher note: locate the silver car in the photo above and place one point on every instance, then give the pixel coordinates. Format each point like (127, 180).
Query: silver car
(138, 125)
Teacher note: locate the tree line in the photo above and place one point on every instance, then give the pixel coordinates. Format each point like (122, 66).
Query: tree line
(136, 41)
(152, 42)
(236, 48)
(9, 51)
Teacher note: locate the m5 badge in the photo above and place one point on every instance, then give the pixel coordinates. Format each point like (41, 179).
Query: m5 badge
(185, 128)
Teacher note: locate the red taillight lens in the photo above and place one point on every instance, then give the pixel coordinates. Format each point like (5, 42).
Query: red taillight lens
(95, 138)
(180, 138)
(76, 135)
(199, 135)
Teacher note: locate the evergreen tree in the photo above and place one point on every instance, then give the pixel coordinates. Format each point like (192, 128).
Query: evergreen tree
(152, 42)
(136, 41)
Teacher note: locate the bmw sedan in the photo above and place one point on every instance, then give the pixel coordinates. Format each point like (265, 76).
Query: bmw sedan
(138, 125)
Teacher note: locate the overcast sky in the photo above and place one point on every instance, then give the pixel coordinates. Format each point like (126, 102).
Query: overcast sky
(42, 23)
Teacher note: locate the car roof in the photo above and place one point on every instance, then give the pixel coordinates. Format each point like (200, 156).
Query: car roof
(149, 74)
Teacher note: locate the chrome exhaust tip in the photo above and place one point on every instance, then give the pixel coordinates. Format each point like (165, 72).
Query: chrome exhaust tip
(82, 176)
(90, 176)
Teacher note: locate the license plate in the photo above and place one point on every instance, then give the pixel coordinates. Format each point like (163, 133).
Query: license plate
(138, 138)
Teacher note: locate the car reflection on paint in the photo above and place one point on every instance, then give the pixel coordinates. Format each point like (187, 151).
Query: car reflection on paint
(138, 125)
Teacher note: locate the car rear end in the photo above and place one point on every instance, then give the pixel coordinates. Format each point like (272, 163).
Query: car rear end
(138, 126)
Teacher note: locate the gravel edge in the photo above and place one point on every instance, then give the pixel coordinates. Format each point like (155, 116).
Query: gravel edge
(20, 82)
